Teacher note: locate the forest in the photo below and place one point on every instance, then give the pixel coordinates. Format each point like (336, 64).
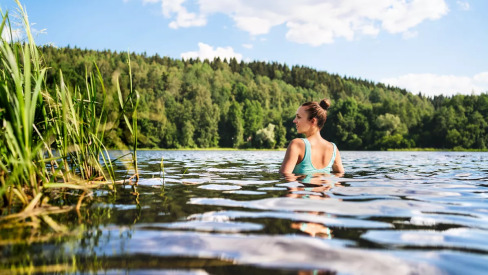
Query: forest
(231, 104)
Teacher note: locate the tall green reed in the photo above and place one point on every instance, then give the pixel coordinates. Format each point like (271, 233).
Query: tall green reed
(21, 83)
(78, 120)
(51, 139)
(129, 104)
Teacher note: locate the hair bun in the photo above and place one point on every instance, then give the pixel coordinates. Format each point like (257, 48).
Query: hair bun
(325, 104)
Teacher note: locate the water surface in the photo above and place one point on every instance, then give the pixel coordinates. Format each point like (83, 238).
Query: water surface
(231, 212)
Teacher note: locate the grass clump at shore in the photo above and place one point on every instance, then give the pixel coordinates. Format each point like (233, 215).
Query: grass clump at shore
(51, 140)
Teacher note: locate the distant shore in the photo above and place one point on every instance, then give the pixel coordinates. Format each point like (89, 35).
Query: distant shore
(201, 149)
(284, 149)
(440, 150)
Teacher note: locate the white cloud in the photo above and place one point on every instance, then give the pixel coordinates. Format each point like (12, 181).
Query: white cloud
(403, 15)
(14, 35)
(207, 52)
(313, 22)
(481, 77)
(432, 84)
(174, 8)
(463, 5)
(247, 46)
(16, 30)
(253, 24)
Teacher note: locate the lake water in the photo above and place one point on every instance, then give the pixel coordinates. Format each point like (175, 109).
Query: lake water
(224, 212)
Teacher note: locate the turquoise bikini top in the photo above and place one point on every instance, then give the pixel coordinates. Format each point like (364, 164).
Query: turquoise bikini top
(306, 166)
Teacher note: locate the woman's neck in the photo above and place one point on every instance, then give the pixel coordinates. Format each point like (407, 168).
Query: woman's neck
(313, 133)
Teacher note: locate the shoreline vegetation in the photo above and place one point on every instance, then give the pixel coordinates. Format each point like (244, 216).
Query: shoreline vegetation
(210, 149)
(225, 103)
(284, 149)
(52, 150)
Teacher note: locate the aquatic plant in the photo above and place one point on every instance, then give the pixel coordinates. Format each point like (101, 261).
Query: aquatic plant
(128, 104)
(22, 167)
(51, 140)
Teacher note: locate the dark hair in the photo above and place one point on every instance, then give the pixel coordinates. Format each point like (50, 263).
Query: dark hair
(317, 110)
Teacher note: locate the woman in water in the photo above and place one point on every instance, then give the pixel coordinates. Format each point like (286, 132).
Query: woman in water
(311, 154)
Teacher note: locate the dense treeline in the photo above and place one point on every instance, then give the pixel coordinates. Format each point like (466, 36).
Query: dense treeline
(225, 103)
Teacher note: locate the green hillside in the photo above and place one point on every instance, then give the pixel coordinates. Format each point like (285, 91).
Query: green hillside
(225, 103)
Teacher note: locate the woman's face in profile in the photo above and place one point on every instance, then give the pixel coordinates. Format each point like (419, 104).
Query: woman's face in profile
(301, 120)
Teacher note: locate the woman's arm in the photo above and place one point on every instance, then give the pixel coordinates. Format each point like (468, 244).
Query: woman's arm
(291, 157)
(337, 166)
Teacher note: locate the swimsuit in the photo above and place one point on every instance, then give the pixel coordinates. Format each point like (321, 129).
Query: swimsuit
(306, 166)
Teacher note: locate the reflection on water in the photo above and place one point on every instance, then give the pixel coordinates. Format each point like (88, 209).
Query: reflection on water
(231, 212)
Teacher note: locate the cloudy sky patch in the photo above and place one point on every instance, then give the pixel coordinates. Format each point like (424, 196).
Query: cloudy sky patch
(432, 46)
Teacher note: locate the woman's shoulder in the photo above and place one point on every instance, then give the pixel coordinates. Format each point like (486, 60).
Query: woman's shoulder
(333, 146)
(297, 142)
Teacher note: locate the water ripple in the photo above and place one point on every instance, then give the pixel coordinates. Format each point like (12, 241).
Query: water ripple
(269, 251)
(326, 220)
(380, 208)
(465, 238)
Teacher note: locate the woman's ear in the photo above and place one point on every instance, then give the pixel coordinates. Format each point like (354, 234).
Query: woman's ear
(314, 121)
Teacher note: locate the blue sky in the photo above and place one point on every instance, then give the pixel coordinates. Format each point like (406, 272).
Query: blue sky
(428, 46)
